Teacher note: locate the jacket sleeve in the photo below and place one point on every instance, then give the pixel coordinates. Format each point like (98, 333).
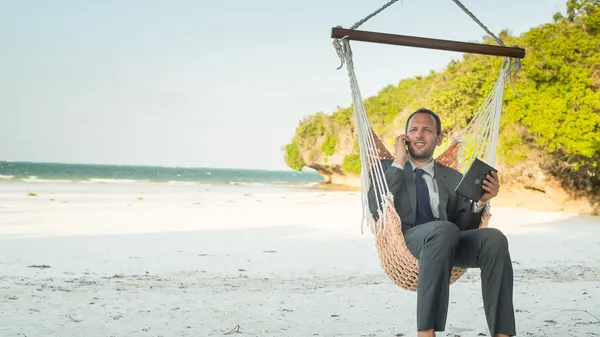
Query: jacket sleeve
(465, 217)
(394, 178)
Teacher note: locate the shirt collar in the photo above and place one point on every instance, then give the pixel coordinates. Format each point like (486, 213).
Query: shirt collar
(427, 168)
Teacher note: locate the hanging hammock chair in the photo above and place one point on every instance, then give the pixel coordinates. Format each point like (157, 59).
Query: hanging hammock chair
(478, 139)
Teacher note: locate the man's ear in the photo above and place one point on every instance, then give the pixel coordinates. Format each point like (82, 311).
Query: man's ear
(440, 138)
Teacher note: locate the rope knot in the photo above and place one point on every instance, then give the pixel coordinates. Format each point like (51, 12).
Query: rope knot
(340, 50)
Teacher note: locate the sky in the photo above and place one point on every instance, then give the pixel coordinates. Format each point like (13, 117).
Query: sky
(200, 83)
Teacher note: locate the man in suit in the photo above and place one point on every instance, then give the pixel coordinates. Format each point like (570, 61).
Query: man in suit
(441, 229)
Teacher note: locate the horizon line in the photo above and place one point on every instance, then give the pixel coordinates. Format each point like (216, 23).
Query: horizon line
(153, 165)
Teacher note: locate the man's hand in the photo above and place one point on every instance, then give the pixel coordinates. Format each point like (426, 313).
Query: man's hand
(400, 155)
(491, 186)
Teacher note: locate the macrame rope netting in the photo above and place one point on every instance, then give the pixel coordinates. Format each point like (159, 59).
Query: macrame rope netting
(369, 156)
(479, 139)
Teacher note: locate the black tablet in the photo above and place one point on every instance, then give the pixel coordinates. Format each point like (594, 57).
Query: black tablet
(470, 186)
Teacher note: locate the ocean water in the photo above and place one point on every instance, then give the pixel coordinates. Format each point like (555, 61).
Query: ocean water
(31, 172)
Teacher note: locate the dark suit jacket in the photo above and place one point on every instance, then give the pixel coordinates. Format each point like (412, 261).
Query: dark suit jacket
(401, 183)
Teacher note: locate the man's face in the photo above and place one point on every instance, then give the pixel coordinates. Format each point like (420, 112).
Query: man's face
(422, 136)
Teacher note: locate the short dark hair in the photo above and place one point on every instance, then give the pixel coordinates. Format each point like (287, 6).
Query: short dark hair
(438, 122)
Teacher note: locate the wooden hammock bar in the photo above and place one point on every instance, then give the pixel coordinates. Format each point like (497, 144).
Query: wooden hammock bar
(421, 42)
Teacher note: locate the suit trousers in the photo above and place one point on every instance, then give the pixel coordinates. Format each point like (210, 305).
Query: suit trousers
(439, 246)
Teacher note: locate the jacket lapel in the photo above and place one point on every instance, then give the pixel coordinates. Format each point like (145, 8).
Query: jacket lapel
(443, 190)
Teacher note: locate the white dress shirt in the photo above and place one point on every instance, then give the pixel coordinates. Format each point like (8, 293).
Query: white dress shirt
(432, 187)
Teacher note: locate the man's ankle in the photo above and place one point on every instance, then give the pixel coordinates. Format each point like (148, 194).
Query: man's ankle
(427, 333)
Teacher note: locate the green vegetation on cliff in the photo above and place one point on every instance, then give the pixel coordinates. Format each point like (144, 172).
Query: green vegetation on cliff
(556, 112)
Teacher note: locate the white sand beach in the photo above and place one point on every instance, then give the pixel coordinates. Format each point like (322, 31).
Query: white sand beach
(196, 260)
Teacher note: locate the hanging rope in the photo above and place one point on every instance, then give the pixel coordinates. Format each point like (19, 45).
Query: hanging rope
(366, 18)
(517, 62)
(497, 39)
(336, 42)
